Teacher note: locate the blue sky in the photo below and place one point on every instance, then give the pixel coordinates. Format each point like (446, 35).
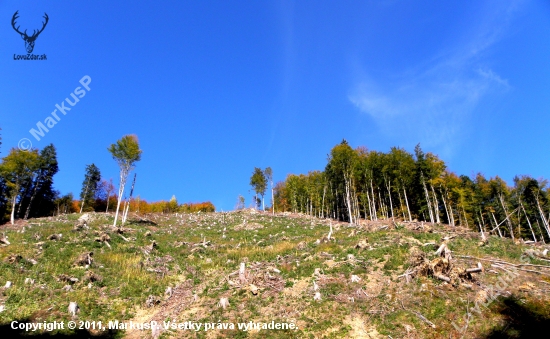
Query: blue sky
(216, 88)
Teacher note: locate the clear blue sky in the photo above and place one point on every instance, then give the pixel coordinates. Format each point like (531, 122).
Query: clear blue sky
(216, 88)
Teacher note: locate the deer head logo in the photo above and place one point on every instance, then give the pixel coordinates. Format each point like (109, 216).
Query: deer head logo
(29, 40)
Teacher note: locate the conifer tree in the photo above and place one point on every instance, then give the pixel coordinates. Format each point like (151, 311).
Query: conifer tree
(90, 186)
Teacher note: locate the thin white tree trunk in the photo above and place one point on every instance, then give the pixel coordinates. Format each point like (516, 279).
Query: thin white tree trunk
(540, 230)
(510, 226)
(401, 206)
(84, 198)
(323, 203)
(348, 200)
(482, 220)
(544, 220)
(125, 215)
(373, 201)
(528, 221)
(435, 205)
(497, 224)
(428, 202)
(446, 208)
(107, 209)
(12, 217)
(128, 203)
(120, 192)
(357, 208)
(389, 194)
(407, 202)
(370, 206)
(272, 199)
(481, 229)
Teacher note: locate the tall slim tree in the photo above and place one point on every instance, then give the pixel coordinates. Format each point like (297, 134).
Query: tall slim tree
(341, 162)
(90, 186)
(126, 153)
(269, 177)
(258, 182)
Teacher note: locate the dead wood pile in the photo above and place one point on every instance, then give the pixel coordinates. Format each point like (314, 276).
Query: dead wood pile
(257, 277)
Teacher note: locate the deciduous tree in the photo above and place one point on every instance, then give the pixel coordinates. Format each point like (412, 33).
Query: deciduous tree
(258, 182)
(126, 153)
(18, 168)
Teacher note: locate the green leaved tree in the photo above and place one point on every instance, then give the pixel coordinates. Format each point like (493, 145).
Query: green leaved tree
(126, 153)
(258, 181)
(18, 169)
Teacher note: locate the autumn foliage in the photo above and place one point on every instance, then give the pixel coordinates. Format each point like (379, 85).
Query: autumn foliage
(138, 205)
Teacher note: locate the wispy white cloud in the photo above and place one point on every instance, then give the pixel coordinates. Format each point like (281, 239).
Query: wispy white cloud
(433, 104)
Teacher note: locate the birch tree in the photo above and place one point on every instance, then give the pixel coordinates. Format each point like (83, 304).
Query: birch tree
(126, 153)
(339, 170)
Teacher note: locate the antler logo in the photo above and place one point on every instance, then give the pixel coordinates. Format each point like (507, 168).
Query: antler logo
(29, 40)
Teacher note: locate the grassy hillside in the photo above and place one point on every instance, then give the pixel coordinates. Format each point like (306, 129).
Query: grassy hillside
(375, 280)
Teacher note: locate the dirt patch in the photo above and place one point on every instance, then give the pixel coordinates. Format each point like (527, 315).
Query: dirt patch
(248, 226)
(359, 330)
(298, 288)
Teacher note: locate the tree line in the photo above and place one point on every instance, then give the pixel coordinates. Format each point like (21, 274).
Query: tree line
(366, 184)
(26, 186)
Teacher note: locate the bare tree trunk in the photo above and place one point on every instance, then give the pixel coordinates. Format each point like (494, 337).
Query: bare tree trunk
(373, 201)
(382, 206)
(369, 202)
(452, 214)
(322, 204)
(528, 221)
(435, 205)
(12, 217)
(272, 197)
(507, 216)
(482, 220)
(544, 220)
(357, 208)
(428, 200)
(348, 200)
(407, 202)
(540, 230)
(446, 209)
(84, 197)
(481, 230)
(497, 224)
(123, 175)
(401, 206)
(28, 211)
(389, 194)
(465, 216)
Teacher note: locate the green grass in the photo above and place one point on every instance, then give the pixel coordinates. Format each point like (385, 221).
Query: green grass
(129, 274)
